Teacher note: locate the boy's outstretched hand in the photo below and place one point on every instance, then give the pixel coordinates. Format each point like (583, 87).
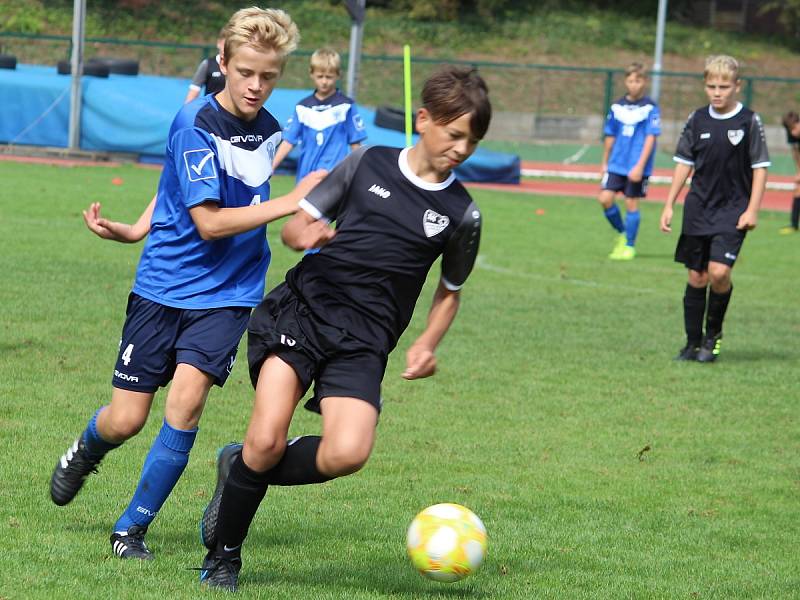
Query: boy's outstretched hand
(108, 230)
(420, 362)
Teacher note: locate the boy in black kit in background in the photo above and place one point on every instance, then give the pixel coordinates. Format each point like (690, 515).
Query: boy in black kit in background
(791, 123)
(341, 311)
(723, 143)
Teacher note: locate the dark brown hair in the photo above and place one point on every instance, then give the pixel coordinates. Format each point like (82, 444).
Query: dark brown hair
(455, 91)
(790, 119)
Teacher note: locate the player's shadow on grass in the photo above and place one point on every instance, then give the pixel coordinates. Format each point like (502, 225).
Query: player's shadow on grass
(382, 579)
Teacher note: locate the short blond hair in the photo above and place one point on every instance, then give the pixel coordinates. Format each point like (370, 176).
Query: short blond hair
(723, 66)
(262, 29)
(636, 68)
(325, 59)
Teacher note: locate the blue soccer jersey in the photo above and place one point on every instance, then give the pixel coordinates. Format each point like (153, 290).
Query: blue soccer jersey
(630, 122)
(211, 156)
(325, 128)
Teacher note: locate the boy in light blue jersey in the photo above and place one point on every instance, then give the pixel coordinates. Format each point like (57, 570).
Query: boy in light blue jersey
(632, 125)
(201, 271)
(326, 124)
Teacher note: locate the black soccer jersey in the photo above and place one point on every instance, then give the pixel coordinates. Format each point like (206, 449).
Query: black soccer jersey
(723, 150)
(390, 228)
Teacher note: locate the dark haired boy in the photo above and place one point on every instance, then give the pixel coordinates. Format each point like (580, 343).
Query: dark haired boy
(341, 311)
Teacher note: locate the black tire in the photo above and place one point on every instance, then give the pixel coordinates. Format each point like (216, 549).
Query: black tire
(393, 118)
(119, 66)
(90, 68)
(7, 61)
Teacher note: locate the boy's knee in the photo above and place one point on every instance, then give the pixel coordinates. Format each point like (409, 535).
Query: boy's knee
(698, 279)
(122, 426)
(338, 458)
(263, 451)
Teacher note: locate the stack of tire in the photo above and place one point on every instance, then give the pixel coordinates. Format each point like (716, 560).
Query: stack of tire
(8, 61)
(102, 66)
(393, 118)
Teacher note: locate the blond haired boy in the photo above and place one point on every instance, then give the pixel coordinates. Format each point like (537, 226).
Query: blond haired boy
(326, 124)
(724, 145)
(200, 273)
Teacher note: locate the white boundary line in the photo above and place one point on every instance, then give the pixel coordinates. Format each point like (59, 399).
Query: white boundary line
(595, 176)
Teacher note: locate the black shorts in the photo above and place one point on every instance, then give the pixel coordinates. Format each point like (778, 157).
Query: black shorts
(155, 338)
(696, 251)
(620, 183)
(337, 363)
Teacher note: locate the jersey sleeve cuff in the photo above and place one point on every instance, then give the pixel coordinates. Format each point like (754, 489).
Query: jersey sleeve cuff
(451, 286)
(313, 210)
(761, 165)
(683, 161)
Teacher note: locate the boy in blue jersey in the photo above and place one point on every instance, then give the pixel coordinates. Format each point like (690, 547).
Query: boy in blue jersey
(326, 124)
(632, 125)
(201, 271)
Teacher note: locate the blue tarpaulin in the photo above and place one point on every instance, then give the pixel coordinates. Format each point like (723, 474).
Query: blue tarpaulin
(133, 114)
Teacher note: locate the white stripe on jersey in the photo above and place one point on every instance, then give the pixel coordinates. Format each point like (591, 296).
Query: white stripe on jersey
(631, 114)
(251, 167)
(319, 120)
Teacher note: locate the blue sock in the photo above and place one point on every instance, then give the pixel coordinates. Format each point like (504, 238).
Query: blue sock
(632, 219)
(96, 446)
(614, 217)
(163, 466)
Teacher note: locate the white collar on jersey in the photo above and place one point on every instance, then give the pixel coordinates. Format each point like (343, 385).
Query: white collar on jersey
(715, 115)
(402, 162)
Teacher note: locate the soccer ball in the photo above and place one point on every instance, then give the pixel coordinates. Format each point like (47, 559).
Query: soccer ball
(446, 542)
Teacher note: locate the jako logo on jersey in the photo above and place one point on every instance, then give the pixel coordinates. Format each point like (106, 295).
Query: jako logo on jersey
(378, 190)
(735, 136)
(237, 139)
(126, 377)
(434, 223)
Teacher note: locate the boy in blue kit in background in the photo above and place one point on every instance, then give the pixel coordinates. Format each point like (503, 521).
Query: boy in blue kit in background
(632, 125)
(326, 123)
(201, 271)
(724, 144)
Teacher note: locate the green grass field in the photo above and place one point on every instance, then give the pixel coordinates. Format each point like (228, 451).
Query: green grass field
(601, 468)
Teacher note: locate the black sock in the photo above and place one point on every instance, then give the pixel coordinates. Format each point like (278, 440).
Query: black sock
(717, 305)
(245, 489)
(694, 308)
(299, 463)
(243, 492)
(795, 211)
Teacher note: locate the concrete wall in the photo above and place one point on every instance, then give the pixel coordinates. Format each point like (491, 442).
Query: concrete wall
(529, 127)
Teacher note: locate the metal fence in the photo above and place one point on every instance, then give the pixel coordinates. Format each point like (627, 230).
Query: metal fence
(515, 87)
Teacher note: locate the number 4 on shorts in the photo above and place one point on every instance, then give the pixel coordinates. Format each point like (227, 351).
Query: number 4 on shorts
(126, 356)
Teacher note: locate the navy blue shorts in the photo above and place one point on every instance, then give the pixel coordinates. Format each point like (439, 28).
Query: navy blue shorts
(620, 183)
(155, 338)
(696, 251)
(336, 362)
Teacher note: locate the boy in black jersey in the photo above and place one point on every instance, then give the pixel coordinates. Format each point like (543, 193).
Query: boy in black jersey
(791, 123)
(341, 311)
(723, 143)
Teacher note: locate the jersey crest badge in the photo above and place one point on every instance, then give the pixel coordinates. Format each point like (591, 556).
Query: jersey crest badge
(735, 136)
(434, 223)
